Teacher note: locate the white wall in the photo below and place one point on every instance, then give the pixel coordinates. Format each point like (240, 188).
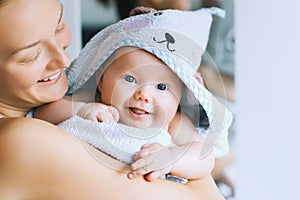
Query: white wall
(89, 13)
(72, 15)
(268, 99)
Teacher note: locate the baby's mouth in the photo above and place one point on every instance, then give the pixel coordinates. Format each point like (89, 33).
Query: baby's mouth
(138, 111)
(50, 78)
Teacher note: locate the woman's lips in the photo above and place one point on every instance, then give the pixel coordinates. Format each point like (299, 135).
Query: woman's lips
(50, 78)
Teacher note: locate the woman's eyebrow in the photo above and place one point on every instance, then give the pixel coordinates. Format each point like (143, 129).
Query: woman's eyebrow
(24, 47)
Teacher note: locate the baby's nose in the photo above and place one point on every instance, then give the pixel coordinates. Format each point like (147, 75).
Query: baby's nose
(144, 94)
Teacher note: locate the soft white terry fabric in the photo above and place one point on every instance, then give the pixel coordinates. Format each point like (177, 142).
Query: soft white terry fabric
(117, 140)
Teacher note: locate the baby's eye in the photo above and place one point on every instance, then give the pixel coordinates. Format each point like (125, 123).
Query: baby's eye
(162, 86)
(130, 79)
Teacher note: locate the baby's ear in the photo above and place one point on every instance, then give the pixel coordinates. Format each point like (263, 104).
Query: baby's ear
(198, 77)
(99, 79)
(99, 86)
(141, 10)
(204, 84)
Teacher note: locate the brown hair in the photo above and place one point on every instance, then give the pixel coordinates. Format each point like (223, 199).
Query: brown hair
(2, 2)
(210, 3)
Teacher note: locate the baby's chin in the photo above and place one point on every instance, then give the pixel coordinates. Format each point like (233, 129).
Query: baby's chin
(143, 124)
(137, 124)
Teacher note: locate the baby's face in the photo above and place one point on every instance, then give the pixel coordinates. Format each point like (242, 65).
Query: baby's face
(143, 89)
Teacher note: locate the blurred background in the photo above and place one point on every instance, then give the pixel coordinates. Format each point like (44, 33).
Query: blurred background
(252, 66)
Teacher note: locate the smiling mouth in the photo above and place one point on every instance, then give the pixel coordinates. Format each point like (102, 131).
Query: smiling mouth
(138, 111)
(50, 78)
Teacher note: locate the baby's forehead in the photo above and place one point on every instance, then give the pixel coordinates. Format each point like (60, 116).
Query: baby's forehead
(132, 58)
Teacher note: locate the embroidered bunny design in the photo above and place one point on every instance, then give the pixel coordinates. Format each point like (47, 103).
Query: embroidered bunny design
(168, 39)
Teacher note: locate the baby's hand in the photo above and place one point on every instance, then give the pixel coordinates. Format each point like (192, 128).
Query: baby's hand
(98, 112)
(153, 160)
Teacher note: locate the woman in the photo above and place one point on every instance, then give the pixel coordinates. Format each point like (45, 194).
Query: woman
(39, 160)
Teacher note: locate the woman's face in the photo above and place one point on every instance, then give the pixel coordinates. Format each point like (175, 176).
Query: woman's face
(33, 39)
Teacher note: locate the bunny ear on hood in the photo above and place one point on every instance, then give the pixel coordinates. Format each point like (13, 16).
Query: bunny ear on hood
(179, 39)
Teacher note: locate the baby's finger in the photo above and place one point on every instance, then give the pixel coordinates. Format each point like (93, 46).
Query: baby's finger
(157, 173)
(114, 112)
(141, 171)
(152, 147)
(147, 149)
(132, 175)
(153, 175)
(105, 116)
(90, 116)
(142, 162)
(145, 146)
(141, 154)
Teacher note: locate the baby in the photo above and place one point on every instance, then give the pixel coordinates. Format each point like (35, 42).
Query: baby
(145, 68)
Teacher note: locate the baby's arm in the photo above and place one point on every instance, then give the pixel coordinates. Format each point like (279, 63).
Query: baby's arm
(182, 160)
(196, 158)
(65, 108)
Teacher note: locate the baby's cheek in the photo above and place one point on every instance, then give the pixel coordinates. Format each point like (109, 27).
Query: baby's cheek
(120, 96)
(161, 115)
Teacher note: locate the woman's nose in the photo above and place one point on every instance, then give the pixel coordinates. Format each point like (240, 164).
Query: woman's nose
(144, 94)
(59, 58)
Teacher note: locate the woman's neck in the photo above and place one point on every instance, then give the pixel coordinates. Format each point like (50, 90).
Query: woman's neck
(8, 111)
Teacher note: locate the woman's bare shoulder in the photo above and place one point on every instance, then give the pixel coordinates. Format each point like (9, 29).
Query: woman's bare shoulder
(42, 160)
(21, 124)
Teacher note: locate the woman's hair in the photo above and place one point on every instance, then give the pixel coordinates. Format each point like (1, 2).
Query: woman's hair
(2, 2)
(210, 3)
(124, 7)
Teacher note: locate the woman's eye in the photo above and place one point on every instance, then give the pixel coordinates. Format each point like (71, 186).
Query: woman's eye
(130, 79)
(162, 86)
(31, 58)
(60, 27)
